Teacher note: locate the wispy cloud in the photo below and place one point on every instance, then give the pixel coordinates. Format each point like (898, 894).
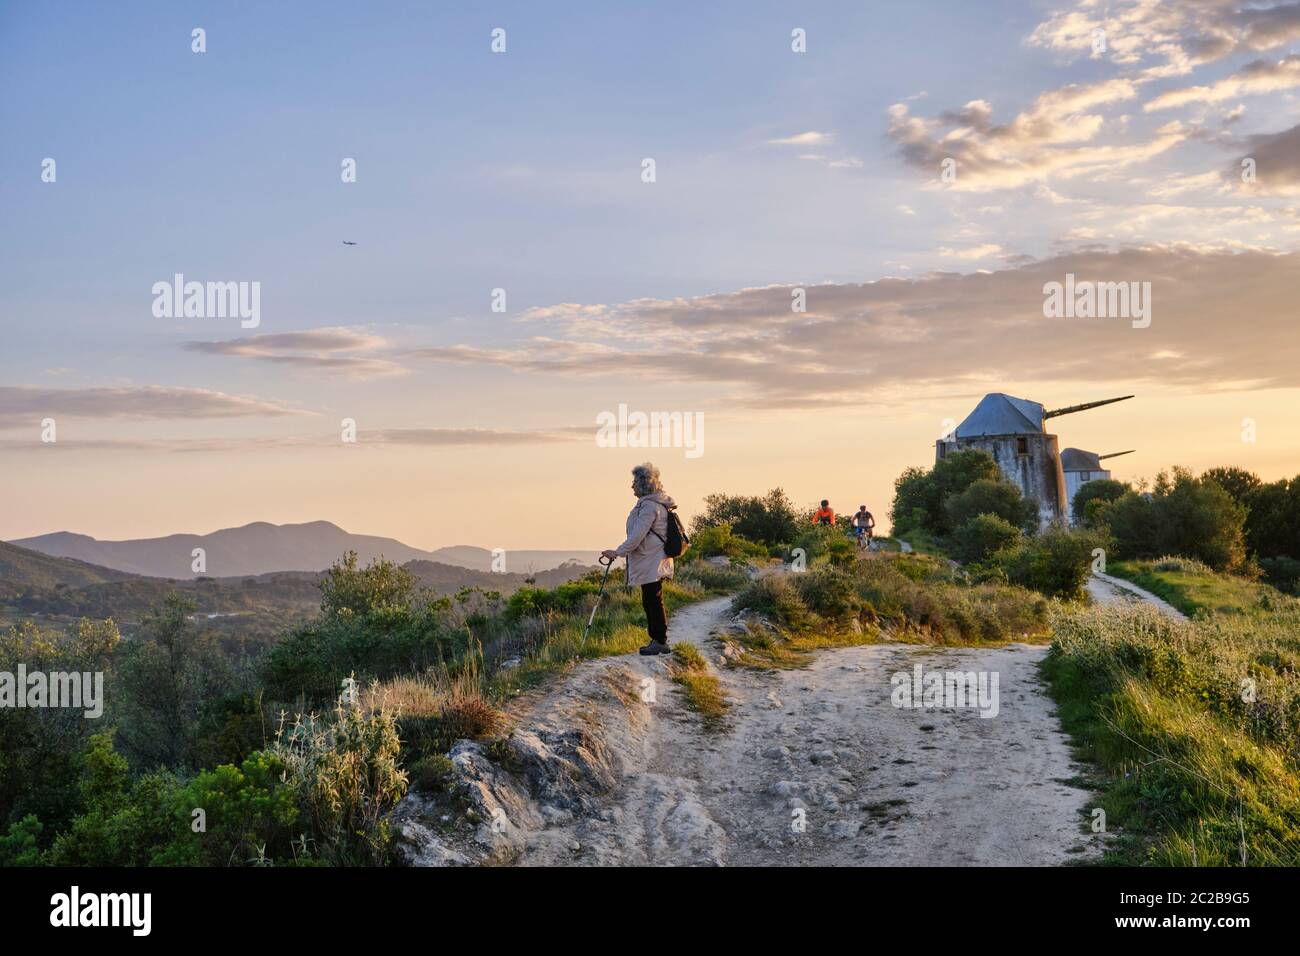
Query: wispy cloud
(138, 402)
(811, 138)
(324, 348)
(859, 343)
(1256, 77)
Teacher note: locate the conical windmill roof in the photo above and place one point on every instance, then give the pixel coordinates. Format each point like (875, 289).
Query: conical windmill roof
(1076, 459)
(1001, 414)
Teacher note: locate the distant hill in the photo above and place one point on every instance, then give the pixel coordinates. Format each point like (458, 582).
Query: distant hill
(447, 579)
(247, 608)
(523, 562)
(264, 548)
(23, 570)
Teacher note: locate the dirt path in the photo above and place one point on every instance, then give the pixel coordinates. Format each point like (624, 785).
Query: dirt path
(1107, 589)
(816, 766)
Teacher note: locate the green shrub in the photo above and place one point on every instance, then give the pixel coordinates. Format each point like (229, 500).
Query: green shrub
(347, 778)
(713, 579)
(21, 845)
(991, 496)
(432, 774)
(829, 592)
(920, 496)
(1056, 562)
(770, 520)
(1183, 515)
(774, 596)
(1282, 572)
(1093, 495)
(983, 535)
(248, 814)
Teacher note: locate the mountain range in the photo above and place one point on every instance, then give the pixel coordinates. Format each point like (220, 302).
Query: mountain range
(263, 548)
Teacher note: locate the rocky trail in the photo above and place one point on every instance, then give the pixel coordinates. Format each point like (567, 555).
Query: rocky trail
(813, 766)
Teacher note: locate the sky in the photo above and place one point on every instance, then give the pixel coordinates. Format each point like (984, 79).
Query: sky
(917, 176)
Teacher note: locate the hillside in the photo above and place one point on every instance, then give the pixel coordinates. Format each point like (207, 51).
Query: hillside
(252, 607)
(262, 548)
(23, 570)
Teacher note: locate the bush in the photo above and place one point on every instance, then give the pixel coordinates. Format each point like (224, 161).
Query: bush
(771, 520)
(1090, 498)
(314, 658)
(920, 496)
(347, 778)
(774, 597)
(721, 540)
(249, 814)
(1282, 572)
(432, 774)
(1056, 562)
(828, 592)
(1183, 515)
(821, 542)
(711, 578)
(992, 496)
(983, 535)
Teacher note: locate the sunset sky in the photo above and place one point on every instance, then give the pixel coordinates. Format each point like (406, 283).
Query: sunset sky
(522, 171)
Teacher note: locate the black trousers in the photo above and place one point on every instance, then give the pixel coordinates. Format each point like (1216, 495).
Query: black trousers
(656, 618)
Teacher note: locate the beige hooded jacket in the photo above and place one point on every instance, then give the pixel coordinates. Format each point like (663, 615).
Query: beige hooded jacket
(646, 561)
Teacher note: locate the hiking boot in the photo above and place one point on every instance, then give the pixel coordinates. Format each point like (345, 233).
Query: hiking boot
(655, 647)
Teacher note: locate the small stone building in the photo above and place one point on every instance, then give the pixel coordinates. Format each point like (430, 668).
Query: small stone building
(1081, 467)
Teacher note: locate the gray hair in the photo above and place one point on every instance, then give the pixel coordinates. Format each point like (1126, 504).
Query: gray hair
(645, 480)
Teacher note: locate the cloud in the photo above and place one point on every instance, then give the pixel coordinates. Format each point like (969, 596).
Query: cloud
(1047, 139)
(1180, 35)
(811, 138)
(137, 402)
(323, 348)
(1277, 162)
(1258, 76)
(1227, 315)
(814, 138)
(414, 437)
(973, 252)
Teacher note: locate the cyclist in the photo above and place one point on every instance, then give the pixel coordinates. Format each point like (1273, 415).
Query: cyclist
(863, 524)
(824, 515)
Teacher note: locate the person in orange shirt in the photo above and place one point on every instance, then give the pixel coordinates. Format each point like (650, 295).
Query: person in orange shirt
(825, 514)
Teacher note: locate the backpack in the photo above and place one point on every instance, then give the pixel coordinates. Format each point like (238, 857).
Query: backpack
(676, 541)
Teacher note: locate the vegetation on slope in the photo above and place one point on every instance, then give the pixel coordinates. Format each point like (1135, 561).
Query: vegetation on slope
(1193, 726)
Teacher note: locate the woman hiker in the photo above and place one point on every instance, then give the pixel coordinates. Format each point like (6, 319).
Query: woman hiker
(647, 565)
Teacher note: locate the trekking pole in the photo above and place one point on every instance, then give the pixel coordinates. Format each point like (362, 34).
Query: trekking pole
(608, 563)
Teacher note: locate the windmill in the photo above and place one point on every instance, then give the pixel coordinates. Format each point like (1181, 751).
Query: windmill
(1013, 430)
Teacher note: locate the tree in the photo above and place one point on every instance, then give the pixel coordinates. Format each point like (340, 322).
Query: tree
(770, 519)
(1239, 483)
(347, 590)
(1100, 490)
(920, 497)
(983, 535)
(164, 683)
(992, 496)
(1273, 524)
(1183, 515)
(1055, 562)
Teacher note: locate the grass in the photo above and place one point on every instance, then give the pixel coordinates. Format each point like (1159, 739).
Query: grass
(1192, 727)
(701, 687)
(1192, 587)
(915, 598)
(766, 649)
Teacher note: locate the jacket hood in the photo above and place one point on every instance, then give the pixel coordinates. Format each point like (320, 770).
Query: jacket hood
(662, 497)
